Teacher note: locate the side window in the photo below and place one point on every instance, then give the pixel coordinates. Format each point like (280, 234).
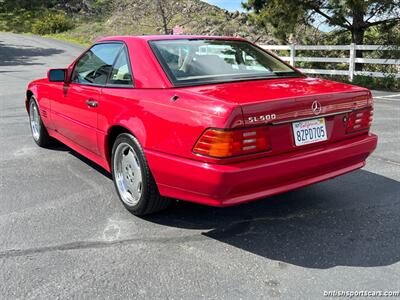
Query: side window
(121, 74)
(95, 65)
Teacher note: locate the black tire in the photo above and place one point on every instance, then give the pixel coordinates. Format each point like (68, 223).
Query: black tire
(40, 136)
(150, 200)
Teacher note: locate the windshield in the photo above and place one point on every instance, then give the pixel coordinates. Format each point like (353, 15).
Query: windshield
(190, 62)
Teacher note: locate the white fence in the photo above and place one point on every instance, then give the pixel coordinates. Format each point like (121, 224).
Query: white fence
(351, 60)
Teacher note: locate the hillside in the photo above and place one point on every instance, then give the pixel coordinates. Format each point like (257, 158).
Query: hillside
(83, 21)
(135, 17)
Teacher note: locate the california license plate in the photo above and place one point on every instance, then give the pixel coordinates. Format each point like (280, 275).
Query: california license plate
(309, 131)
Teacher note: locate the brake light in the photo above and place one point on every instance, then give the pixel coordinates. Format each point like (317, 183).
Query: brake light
(222, 143)
(359, 119)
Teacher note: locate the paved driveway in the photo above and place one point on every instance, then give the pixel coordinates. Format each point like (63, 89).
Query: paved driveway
(64, 234)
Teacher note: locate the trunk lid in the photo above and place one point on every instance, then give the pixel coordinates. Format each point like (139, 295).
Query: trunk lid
(287, 98)
(280, 102)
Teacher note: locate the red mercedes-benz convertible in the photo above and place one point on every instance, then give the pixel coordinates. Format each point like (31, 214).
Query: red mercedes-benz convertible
(213, 120)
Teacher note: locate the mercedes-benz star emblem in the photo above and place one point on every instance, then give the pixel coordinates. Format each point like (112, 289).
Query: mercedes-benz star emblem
(316, 107)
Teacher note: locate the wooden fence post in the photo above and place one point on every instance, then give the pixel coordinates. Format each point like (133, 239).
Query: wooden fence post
(352, 60)
(292, 54)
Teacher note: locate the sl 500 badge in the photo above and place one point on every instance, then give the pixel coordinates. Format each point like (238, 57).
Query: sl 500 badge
(262, 118)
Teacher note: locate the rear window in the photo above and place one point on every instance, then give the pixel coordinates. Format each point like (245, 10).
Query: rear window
(191, 62)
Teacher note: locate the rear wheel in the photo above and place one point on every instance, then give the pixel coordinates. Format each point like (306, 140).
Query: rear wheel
(133, 180)
(39, 132)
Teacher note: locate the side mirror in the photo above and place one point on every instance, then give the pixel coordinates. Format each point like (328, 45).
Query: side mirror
(57, 75)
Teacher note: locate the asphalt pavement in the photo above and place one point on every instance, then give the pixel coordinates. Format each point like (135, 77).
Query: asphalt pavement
(64, 233)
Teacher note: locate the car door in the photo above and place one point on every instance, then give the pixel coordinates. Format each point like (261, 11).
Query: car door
(75, 113)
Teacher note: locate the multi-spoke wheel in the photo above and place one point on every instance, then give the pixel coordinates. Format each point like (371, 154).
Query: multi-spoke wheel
(39, 132)
(132, 177)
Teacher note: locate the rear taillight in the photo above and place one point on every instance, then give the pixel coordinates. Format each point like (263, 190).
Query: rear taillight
(222, 143)
(359, 119)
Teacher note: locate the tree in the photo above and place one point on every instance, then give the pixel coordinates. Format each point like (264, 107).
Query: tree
(353, 16)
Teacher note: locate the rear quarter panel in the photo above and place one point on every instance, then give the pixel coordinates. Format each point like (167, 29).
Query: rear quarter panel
(159, 123)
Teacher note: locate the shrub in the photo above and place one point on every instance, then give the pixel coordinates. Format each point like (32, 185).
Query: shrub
(52, 22)
(18, 20)
(389, 83)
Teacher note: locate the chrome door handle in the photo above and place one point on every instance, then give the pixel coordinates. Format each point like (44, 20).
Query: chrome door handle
(92, 103)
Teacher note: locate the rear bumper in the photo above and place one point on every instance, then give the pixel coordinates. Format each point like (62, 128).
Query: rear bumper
(224, 185)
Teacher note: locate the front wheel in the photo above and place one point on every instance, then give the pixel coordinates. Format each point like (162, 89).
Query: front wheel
(39, 132)
(133, 180)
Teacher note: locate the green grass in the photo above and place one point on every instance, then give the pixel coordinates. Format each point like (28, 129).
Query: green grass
(65, 36)
(84, 33)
